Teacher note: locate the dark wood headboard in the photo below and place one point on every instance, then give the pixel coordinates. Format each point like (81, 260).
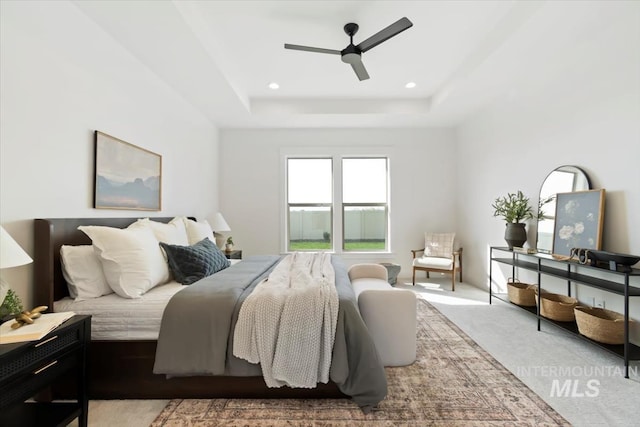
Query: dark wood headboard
(49, 236)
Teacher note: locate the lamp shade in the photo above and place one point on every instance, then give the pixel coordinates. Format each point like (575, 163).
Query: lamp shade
(219, 224)
(11, 254)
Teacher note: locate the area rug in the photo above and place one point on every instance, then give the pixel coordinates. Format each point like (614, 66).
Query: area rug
(453, 382)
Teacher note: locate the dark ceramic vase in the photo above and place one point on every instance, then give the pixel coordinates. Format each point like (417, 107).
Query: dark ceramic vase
(515, 234)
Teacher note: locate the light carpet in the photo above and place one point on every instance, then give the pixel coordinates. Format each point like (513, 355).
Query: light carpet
(453, 382)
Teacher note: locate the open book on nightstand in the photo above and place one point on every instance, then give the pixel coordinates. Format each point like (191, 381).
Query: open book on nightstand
(33, 332)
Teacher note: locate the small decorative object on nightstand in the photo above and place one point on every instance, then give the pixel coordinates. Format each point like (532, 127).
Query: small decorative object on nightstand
(29, 367)
(229, 245)
(233, 254)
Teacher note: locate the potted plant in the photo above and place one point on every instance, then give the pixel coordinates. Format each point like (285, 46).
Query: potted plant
(11, 306)
(514, 207)
(229, 245)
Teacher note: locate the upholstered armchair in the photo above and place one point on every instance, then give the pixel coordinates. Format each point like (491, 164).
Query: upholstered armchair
(438, 255)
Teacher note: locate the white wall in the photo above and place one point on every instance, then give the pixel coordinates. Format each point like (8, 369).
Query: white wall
(588, 116)
(423, 183)
(61, 79)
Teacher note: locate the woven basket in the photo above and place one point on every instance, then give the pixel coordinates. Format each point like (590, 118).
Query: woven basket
(600, 325)
(557, 307)
(521, 293)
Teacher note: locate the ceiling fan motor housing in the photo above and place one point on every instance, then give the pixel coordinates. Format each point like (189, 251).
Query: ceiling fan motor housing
(351, 54)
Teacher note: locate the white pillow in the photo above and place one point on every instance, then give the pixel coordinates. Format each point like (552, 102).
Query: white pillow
(438, 244)
(82, 270)
(197, 231)
(173, 233)
(131, 258)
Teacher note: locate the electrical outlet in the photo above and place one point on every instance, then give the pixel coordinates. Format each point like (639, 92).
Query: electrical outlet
(599, 303)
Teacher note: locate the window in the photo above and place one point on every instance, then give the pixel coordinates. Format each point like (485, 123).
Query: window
(337, 202)
(364, 204)
(310, 207)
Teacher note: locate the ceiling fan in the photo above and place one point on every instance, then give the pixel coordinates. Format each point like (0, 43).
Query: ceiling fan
(353, 54)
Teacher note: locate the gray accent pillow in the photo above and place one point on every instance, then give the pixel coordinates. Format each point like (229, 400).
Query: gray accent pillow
(191, 263)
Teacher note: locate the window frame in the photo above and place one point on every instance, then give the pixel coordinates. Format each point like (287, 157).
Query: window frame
(302, 205)
(366, 204)
(337, 153)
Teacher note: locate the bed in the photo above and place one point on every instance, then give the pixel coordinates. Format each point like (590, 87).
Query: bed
(123, 368)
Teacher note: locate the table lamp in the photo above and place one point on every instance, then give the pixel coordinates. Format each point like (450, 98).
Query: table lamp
(219, 224)
(11, 255)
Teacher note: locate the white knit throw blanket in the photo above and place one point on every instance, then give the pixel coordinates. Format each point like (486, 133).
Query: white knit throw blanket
(288, 323)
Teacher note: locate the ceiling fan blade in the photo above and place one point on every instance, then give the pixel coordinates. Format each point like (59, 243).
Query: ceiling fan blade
(311, 49)
(361, 72)
(385, 34)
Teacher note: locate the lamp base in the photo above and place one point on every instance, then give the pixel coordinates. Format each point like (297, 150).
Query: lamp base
(220, 240)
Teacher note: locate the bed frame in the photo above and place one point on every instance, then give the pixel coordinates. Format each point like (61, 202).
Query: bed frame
(124, 369)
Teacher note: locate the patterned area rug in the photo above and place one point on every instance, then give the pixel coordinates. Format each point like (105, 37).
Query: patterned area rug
(453, 382)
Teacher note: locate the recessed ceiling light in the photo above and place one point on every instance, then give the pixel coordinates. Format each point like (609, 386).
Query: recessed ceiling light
(274, 85)
(410, 85)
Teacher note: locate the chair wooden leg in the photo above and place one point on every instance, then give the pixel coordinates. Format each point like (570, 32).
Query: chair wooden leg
(453, 281)
(414, 277)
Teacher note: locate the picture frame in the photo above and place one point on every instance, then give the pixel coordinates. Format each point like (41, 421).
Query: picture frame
(126, 176)
(579, 221)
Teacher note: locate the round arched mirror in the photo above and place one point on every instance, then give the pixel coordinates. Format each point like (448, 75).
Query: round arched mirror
(564, 179)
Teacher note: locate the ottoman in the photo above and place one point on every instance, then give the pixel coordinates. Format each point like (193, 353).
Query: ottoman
(389, 313)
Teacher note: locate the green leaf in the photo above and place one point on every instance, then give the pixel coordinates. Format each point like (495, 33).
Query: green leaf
(514, 207)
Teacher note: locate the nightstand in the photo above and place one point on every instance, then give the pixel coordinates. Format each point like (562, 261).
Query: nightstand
(29, 367)
(234, 254)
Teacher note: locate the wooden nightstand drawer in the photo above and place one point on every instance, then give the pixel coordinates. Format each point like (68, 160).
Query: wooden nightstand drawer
(30, 382)
(53, 344)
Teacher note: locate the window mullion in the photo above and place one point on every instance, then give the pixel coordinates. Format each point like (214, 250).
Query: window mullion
(338, 228)
(365, 221)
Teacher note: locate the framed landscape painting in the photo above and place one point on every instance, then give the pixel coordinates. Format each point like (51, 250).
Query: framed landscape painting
(579, 221)
(127, 176)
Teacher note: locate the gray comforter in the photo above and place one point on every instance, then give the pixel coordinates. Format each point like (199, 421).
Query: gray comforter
(196, 334)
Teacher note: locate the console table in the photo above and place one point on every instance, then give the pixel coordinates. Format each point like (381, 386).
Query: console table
(613, 281)
(29, 367)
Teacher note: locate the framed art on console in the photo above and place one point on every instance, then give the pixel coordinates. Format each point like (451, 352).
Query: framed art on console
(126, 176)
(579, 220)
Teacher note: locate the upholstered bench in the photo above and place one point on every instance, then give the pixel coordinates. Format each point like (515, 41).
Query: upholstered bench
(388, 312)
